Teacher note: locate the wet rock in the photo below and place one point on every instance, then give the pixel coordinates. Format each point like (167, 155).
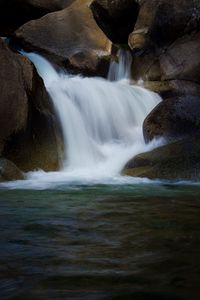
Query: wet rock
(14, 13)
(173, 118)
(29, 132)
(181, 60)
(160, 23)
(67, 36)
(165, 41)
(9, 171)
(172, 88)
(116, 18)
(179, 160)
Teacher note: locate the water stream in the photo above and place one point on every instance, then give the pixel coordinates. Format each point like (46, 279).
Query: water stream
(101, 122)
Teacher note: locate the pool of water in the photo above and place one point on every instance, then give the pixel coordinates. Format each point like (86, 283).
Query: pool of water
(139, 242)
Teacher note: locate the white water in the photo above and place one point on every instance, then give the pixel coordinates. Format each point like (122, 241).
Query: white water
(120, 69)
(101, 122)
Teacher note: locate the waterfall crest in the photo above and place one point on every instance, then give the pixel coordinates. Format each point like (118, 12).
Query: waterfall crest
(101, 120)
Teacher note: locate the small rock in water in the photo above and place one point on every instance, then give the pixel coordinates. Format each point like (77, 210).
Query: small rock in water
(9, 171)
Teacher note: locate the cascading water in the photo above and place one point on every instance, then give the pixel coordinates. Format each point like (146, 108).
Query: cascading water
(101, 121)
(120, 69)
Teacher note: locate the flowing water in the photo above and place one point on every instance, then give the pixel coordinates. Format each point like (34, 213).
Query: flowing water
(86, 232)
(101, 122)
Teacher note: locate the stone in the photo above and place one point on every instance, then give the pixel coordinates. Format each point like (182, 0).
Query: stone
(165, 43)
(179, 160)
(67, 36)
(30, 134)
(9, 171)
(173, 118)
(161, 22)
(116, 18)
(14, 13)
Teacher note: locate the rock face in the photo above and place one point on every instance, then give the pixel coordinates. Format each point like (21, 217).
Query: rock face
(14, 13)
(165, 45)
(165, 42)
(116, 18)
(173, 118)
(9, 171)
(28, 136)
(176, 161)
(69, 38)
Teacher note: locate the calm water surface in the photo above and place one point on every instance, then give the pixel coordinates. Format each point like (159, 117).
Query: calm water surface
(139, 242)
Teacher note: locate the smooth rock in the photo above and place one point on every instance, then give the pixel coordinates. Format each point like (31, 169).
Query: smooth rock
(161, 22)
(173, 118)
(69, 38)
(165, 41)
(116, 18)
(179, 160)
(30, 135)
(9, 171)
(15, 13)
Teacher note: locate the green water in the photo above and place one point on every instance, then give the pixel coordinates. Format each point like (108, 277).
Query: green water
(139, 242)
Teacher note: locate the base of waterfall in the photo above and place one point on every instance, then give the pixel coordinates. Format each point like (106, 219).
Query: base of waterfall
(101, 121)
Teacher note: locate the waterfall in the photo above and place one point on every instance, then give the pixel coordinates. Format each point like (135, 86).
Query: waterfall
(101, 120)
(120, 69)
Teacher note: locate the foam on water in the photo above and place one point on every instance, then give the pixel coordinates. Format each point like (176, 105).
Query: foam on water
(101, 122)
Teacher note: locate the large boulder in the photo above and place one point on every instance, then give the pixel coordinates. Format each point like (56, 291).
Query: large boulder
(14, 13)
(181, 60)
(179, 160)
(173, 118)
(29, 131)
(165, 43)
(116, 18)
(9, 171)
(161, 22)
(69, 38)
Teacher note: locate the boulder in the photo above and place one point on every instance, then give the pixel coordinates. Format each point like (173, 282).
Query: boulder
(116, 18)
(172, 88)
(179, 160)
(14, 13)
(181, 60)
(69, 38)
(173, 118)
(161, 22)
(165, 43)
(29, 132)
(9, 171)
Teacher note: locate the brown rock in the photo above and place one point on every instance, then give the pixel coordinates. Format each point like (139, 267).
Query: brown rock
(171, 88)
(9, 171)
(14, 13)
(28, 135)
(165, 41)
(14, 99)
(65, 36)
(116, 18)
(173, 118)
(161, 22)
(175, 161)
(181, 60)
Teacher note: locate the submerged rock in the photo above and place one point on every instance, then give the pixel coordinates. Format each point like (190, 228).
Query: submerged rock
(69, 38)
(14, 13)
(29, 131)
(179, 160)
(9, 171)
(173, 118)
(116, 18)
